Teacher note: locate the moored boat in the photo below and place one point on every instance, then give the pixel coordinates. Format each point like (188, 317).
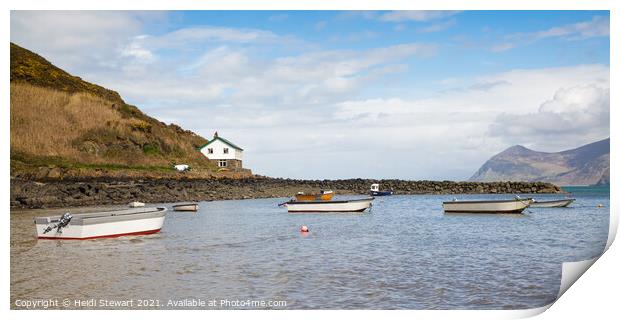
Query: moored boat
(558, 203)
(323, 195)
(486, 206)
(356, 205)
(106, 224)
(186, 207)
(136, 204)
(375, 192)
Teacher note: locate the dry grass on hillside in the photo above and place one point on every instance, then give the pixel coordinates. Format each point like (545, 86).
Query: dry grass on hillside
(84, 128)
(45, 122)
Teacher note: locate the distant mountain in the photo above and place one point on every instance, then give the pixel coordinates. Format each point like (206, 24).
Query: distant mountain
(586, 165)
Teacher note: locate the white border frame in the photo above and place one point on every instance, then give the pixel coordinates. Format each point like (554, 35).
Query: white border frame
(595, 294)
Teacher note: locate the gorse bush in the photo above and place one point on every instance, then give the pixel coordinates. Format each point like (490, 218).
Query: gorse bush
(150, 149)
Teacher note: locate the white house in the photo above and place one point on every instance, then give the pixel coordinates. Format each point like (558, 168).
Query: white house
(223, 153)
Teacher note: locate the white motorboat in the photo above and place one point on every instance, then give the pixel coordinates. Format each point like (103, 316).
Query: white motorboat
(186, 207)
(486, 206)
(106, 224)
(559, 203)
(136, 204)
(357, 205)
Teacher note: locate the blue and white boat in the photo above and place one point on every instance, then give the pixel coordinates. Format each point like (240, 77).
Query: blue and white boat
(375, 192)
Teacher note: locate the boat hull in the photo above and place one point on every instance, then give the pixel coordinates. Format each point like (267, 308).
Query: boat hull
(109, 224)
(185, 207)
(358, 205)
(381, 193)
(552, 203)
(489, 206)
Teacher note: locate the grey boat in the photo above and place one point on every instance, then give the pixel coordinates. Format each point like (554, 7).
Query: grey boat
(193, 207)
(560, 203)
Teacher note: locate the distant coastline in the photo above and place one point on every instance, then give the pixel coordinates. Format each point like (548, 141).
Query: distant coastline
(50, 193)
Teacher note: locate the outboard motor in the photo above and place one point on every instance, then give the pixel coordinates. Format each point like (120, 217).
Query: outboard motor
(63, 222)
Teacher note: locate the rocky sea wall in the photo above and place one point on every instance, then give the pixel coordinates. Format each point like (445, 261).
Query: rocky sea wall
(72, 193)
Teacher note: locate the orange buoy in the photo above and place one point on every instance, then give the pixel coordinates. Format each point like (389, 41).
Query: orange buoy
(304, 229)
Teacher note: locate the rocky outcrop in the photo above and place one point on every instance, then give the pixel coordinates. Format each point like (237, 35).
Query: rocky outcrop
(68, 193)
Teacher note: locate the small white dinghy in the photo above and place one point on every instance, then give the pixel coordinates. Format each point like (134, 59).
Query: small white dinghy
(136, 204)
(486, 206)
(552, 203)
(357, 205)
(107, 224)
(186, 207)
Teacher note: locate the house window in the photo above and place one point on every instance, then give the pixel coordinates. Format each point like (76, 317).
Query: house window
(210, 151)
(221, 163)
(225, 150)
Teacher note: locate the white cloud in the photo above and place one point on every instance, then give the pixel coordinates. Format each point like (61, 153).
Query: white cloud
(471, 123)
(578, 113)
(517, 91)
(502, 47)
(79, 39)
(400, 27)
(225, 73)
(362, 35)
(278, 17)
(596, 27)
(414, 15)
(135, 50)
(190, 35)
(438, 26)
(365, 14)
(320, 25)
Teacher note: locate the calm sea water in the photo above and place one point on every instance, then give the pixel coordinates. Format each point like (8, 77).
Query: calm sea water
(405, 254)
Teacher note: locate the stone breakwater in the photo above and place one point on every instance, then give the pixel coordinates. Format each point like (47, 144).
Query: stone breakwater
(63, 193)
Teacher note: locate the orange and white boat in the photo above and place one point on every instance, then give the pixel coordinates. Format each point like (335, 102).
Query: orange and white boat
(324, 195)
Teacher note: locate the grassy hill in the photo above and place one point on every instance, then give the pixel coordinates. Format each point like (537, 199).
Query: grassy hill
(61, 121)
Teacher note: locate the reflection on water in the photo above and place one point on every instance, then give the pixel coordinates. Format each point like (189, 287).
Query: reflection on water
(406, 254)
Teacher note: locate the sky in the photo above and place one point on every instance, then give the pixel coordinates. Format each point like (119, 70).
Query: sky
(347, 94)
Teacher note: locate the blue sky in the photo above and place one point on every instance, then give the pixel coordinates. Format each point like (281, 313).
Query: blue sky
(337, 94)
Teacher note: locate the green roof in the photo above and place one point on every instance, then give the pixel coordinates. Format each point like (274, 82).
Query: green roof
(221, 139)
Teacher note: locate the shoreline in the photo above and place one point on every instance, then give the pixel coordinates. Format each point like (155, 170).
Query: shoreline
(30, 194)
